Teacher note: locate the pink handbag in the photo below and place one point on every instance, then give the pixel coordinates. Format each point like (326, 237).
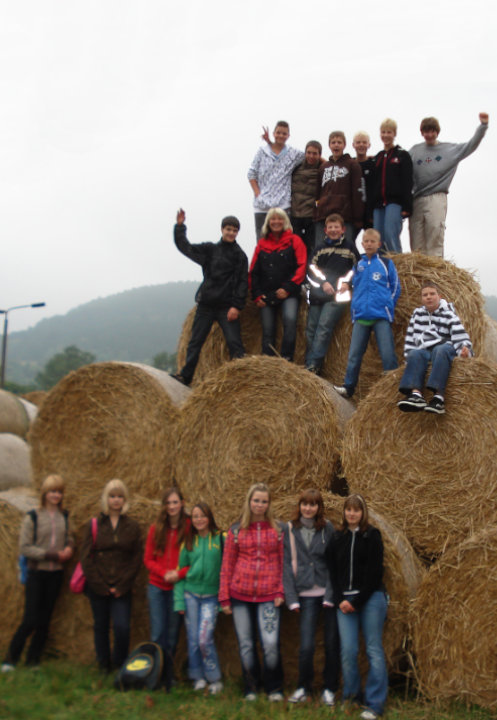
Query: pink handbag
(77, 583)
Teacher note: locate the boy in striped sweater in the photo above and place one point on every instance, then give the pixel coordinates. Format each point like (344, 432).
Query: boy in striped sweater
(435, 334)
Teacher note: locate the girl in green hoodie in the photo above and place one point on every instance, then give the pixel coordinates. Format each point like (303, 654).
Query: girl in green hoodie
(196, 596)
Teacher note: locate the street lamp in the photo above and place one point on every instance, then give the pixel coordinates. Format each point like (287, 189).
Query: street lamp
(5, 327)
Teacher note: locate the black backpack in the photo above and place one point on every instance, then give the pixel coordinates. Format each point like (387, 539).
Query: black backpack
(143, 668)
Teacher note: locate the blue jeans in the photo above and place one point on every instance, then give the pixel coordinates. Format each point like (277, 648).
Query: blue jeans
(205, 317)
(321, 321)
(262, 619)
(441, 357)
(358, 344)
(370, 619)
(310, 607)
(164, 622)
(388, 222)
(200, 621)
(106, 608)
(289, 312)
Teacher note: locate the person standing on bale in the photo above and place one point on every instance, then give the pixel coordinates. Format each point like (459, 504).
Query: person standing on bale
(434, 166)
(221, 296)
(435, 334)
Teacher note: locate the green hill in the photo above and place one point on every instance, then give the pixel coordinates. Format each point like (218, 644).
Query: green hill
(134, 325)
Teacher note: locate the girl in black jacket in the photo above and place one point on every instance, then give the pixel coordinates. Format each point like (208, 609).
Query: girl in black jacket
(355, 561)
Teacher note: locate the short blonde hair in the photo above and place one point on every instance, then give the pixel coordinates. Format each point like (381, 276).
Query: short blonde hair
(51, 482)
(278, 212)
(389, 124)
(119, 488)
(371, 232)
(363, 135)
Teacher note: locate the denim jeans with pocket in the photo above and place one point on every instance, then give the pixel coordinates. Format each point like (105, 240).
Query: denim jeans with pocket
(200, 620)
(310, 607)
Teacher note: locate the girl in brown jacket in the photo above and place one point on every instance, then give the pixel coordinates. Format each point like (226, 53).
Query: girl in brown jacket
(111, 564)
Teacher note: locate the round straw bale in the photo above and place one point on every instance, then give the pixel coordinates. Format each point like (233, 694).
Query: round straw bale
(457, 286)
(434, 474)
(15, 466)
(258, 419)
(11, 590)
(71, 630)
(453, 623)
(13, 416)
(35, 396)
(402, 576)
(31, 409)
(489, 350)
(108, 420)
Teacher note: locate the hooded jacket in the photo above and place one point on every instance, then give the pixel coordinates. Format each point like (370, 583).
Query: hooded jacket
(427, 329)
(340, 190)
(392, 179)
(376, 289)
(278, 263)
(331, 260)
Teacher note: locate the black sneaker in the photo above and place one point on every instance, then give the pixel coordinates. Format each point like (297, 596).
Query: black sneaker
(412, 403)
(436, 405)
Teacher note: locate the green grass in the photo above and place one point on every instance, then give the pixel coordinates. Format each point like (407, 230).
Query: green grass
(64, 691)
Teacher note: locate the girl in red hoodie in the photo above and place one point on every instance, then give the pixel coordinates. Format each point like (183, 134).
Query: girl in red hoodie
(161, 560)
(276, 273)
(251, 588)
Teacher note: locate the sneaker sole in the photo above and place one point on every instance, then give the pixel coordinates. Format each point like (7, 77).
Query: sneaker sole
(436, 411)
(410, 407)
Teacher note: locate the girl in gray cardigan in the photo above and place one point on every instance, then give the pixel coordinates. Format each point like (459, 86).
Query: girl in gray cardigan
(308, 592)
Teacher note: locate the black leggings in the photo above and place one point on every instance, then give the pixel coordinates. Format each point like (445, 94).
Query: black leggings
(42, 589)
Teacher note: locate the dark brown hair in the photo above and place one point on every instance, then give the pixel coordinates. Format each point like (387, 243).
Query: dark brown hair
(313, 497)
(358, 503)
(163, 524)
(213, 528)
(430, 123)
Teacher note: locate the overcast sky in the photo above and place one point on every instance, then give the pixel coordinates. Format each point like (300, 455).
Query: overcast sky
(114, 113)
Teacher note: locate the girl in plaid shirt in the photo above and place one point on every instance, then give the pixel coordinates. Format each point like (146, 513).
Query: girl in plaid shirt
(251, 588)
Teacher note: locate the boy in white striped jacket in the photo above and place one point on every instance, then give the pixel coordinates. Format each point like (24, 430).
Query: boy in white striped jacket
(435, 334)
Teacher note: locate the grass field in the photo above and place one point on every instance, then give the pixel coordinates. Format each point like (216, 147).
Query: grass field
(63, 691)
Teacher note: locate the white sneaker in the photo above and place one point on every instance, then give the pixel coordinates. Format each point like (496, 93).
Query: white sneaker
(215, 687)
(199, 684)
(328, 698)
(342, 390)
(8, 667)
(299, 695)
(368, 715)
(250, 697)
(275, 697)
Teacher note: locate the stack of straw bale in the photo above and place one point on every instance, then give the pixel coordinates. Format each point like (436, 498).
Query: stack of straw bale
(258, 419)
(15, 466)
(457, 286)
(453, 619)
(36, 397)
(109, 420)
(489, 350)
(435, 475)
(403, 574)
(14, 418)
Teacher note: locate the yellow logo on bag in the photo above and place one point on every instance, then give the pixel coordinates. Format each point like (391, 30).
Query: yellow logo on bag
(139, 663)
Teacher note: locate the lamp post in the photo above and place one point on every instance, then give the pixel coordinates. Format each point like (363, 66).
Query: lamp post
(5, 328)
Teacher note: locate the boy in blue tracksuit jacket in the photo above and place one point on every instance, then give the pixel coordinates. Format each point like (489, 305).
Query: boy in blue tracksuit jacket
(376, 290)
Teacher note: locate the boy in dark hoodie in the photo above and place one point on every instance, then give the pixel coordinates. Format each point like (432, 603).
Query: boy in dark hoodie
(333, 259)
(339, 190)
(222, 294)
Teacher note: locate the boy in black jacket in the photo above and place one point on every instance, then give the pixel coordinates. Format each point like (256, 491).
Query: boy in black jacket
(222, 294)
(333, 259)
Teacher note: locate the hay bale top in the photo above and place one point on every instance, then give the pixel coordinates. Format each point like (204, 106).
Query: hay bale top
(108, 420)
(15, 466)
(436, 475)
(35, 396)
(258, 419)
(13, 416)
(489, 350)
(455, 643)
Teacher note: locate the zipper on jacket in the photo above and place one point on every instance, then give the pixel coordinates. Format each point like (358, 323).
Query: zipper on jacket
(351, 571)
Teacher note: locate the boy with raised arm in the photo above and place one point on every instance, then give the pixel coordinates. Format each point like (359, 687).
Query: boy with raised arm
(222, 294)
(435, 334)
(434, 166)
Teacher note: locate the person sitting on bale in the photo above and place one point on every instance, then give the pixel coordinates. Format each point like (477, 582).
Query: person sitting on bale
(435, 334)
